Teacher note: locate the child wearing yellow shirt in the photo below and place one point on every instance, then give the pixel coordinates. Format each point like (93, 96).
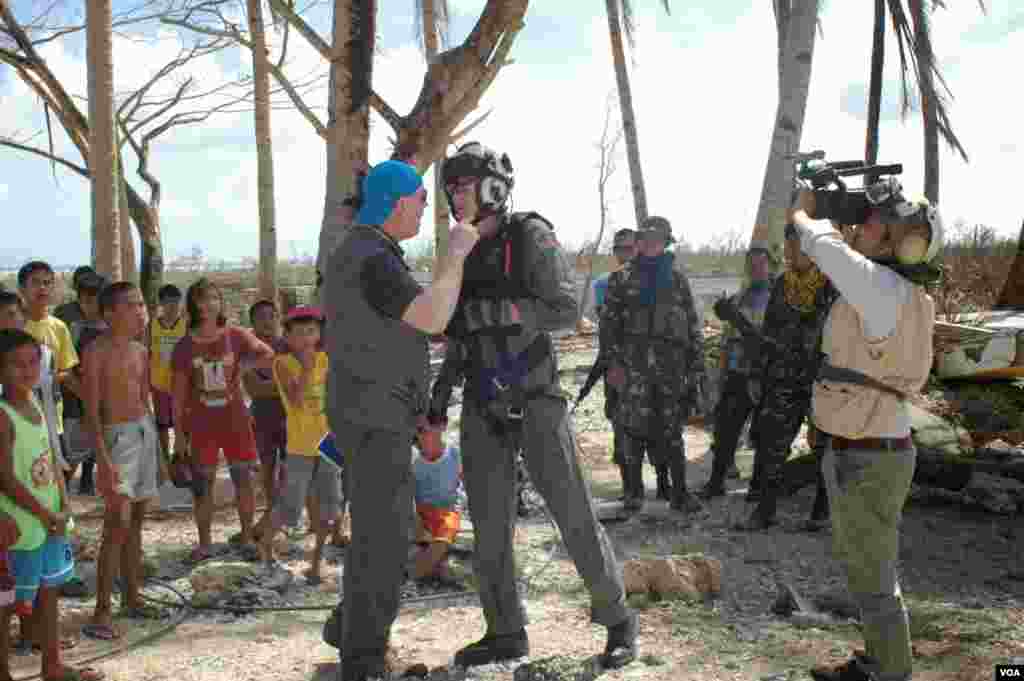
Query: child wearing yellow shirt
(301, 375)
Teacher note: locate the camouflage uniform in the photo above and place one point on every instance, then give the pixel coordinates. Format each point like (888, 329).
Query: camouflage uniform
(656, 340)
(788, 373)
(739, 395)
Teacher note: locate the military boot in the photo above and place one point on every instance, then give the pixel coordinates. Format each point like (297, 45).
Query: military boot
(664, 486)
(682, 500)
(715, 486)
(763, 515)
(635, 490)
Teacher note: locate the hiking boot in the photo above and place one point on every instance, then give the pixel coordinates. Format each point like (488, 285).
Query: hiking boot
(858, 668)
(494, 648)
(763, 516)
(621, 648)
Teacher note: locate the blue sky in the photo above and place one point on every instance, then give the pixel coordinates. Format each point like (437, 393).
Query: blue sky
(704, 91)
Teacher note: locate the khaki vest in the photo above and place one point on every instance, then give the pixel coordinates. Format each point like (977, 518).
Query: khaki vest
(903, 360)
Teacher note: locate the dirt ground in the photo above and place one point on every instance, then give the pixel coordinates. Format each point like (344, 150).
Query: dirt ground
(962, 574)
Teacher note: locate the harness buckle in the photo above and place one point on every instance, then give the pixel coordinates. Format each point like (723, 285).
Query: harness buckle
(516, 413)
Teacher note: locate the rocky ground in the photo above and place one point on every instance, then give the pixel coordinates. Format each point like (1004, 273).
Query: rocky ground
(961, 568)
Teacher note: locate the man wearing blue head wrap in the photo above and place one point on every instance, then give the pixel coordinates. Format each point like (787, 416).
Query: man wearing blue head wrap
(379, 320)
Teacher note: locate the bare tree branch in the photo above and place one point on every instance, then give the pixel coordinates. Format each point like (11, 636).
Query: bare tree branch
(469, 128)
(304, 29)
(4, 142)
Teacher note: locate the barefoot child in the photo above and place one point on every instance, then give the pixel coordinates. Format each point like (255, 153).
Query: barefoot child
(209, 412)
(166, 329)
(127, 445)
(301, 376)
(268, 417)
(438, 472)
(32, 493)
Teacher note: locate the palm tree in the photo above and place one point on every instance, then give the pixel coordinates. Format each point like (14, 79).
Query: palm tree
(264, 151)
(913, 37)
(106, 236)
(796, 26)
(616, 28)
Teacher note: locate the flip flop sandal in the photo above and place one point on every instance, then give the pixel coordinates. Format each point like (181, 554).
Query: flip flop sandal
(79, 674)
(100, 632)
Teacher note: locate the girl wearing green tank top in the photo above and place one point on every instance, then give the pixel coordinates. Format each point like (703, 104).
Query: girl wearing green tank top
(32, 493)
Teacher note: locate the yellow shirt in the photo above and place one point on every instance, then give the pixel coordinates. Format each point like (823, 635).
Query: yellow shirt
(307, 422)
(162, 340)
(54, 334)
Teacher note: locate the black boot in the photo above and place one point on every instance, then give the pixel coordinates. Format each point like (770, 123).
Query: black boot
(635, 490)
(763, 515)
(682, 500)
(715, 486)
(492, 648)
(621, 648)
(664, 486)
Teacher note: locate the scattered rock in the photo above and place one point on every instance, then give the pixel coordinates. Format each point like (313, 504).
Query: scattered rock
(558, 668)
(692, 576)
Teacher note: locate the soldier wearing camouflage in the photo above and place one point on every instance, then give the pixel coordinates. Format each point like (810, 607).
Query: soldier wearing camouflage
(650, 332)
(740, 373)
(796, 312)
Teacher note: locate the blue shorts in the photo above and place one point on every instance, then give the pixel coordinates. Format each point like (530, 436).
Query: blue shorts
(52, 564)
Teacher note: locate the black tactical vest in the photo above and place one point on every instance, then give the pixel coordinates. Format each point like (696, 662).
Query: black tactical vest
(379, 367)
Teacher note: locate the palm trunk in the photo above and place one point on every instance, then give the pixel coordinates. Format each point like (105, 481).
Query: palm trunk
(926, 80)
(264, 153)
(628, 115)
(102, 149)
(441, 211)
(794, 84)
(348, 131)
(875, 87)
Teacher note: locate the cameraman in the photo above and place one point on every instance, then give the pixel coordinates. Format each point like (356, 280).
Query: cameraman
(879, 334)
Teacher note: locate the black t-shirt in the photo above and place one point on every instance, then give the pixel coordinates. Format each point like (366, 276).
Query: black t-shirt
(387, 284)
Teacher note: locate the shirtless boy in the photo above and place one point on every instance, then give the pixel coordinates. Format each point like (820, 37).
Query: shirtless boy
(131, 465)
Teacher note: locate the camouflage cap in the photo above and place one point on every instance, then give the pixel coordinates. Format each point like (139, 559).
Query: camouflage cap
(657, 225)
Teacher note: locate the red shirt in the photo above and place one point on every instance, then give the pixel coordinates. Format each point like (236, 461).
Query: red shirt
(213, 372)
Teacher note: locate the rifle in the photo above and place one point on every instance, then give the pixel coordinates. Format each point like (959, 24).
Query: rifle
(753, 340)
(599, 369)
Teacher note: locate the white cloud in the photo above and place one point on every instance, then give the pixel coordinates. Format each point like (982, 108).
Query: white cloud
(3, 191)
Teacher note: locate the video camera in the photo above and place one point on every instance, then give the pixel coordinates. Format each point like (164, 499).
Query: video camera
(834, 200)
